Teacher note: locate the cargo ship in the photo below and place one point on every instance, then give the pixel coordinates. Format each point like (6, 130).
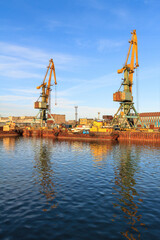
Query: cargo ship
(60, 134)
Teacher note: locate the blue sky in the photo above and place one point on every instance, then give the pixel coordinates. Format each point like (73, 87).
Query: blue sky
(88, 41)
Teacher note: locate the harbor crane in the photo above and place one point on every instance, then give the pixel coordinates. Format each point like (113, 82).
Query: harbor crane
(127, 116)
(44, 104)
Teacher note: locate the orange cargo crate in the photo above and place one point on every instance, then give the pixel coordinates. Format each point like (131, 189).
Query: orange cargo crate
(117, 96)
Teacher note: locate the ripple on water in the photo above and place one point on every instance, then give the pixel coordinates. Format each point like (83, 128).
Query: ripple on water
(78, 190)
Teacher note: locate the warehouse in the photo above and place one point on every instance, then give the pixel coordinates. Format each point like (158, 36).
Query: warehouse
(150, 119)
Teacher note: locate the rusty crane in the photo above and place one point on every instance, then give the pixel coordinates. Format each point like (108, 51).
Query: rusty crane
(44, 104)
(127, 116)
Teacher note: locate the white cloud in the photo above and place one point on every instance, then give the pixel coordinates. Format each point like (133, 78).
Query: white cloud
(83, 111)
(15, 98)
(26, 62)
(24, 91)
(87, 86)
(87, 111)
(107, 44)
(23, 62)
(16, 109)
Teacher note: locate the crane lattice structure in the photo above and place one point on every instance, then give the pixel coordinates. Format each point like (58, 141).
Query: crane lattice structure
(127, 116)
(44, 104)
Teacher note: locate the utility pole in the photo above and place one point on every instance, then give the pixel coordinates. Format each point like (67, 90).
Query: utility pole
(98, 115)
(76, 114)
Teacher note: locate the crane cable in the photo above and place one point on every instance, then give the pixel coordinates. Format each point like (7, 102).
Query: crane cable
(55, 94)
(137, 88)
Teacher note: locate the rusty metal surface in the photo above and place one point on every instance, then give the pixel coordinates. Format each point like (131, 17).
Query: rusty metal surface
(139, 136)
(150, 114)
(117, 96)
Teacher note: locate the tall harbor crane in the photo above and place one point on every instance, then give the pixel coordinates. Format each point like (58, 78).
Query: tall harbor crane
(44, 104)
(127, 116)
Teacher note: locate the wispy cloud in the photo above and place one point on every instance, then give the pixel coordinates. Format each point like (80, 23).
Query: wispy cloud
(16, 109)
(87, 111)
(155, 2)
(82, 86)
(15, 98)
(122, 13)
(84, 111)
(83, 43)
(26, 62)
(35, 57)
(99, 5)
(10, 28)
(66, 99)
(22, 91)
(52, 24)
(107, 44)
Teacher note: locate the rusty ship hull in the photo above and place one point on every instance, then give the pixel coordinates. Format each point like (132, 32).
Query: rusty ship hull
(9, 134)
(75, 136)
(135, 136)
(139, 136)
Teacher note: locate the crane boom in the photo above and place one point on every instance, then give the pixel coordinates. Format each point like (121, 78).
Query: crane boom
(130, 66)
(44, 84)
(50, 76)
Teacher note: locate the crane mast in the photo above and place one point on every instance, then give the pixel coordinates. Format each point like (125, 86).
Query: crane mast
(44, 104)
(127, 116)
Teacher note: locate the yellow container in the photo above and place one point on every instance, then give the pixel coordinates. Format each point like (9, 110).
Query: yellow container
(98, 124)
(93, 129)
(150, 130)
(101, 130)
(6, 128)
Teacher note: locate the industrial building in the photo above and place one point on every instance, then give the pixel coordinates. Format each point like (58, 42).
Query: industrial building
(107, 118)
(20, 121)
(58, 118)
(28, 120)
(86, 121)
(150, 119)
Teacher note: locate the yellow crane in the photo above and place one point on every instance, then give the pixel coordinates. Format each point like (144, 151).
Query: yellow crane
(126, 116)
(129, 67)
(44, 104)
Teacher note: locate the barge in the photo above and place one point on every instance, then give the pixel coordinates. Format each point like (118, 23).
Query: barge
(58, 134)
(10, 130)
(136, 136)
(9, 134)
(139, 136)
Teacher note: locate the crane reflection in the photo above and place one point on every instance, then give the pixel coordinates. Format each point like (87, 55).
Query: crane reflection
(127, 199)
(44, 174)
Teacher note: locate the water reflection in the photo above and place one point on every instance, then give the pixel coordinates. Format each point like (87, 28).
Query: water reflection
(99, 152)
(9, 143)
(78, 146)
(44, 175)
(126, 196)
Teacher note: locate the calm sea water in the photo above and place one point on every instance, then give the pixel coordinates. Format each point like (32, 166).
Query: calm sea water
(78, 190)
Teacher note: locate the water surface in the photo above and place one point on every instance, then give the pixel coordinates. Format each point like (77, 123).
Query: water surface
(78, 190)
